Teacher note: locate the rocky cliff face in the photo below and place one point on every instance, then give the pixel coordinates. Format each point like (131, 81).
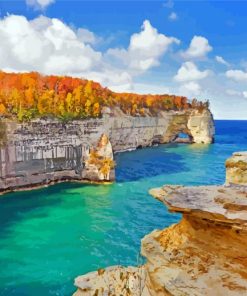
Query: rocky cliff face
(46, 151)
(204, 254)
(201, 126)
(198, 126)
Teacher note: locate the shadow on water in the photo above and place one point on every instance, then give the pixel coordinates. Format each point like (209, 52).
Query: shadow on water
(16, 205)
(151, 162)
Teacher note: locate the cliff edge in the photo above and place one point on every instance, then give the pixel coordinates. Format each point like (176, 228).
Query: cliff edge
(204, 254)
(45, 151)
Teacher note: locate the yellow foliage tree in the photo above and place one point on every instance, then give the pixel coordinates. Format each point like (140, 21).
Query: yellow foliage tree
(3, 110)
(96, 110)
(88, 108)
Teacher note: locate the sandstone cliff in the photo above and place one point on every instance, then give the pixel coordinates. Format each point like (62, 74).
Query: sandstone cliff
(204, 254)
(46, 151)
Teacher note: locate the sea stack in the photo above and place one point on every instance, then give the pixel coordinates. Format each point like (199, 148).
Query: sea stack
(99, 165)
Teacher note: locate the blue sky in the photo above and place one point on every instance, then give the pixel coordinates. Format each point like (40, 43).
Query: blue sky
(193, 48)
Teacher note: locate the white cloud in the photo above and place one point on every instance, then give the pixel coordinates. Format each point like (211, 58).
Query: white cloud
(233, 92)
(190, 89)
(114, 79)
(50, 46)
(222, 61)
(173, 16)
(45, 45)
(199, 48)
(145, 48)
(237, 75)
(189, 71)
(150, 88)
(39, 3)
(87, 36)
(236, 93)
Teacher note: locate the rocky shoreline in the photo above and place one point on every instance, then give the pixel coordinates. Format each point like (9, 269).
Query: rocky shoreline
(43, 152)
(204, 254)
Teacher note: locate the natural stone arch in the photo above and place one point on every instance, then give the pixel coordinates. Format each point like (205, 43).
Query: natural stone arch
(177, 125)
(183, 137)
(199, 127)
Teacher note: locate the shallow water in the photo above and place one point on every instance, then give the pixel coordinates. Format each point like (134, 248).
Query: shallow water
(51, 235)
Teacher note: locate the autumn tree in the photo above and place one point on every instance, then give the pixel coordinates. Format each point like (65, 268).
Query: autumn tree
(30, 95)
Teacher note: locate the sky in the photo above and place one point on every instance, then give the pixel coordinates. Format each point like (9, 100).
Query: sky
(191, 48)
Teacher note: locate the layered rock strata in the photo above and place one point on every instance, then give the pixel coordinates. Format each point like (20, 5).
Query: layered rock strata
(205, 253)
(46, 151)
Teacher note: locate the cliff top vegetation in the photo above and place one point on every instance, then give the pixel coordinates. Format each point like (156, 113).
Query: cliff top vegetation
(30, 95)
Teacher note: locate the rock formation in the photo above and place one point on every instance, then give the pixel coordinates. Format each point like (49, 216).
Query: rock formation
(236, 168)
(46, 151)
(204, 254)
(115, 280)
(199, 127)
(99, 164)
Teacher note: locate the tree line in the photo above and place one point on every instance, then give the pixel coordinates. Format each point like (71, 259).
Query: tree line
(30, 95)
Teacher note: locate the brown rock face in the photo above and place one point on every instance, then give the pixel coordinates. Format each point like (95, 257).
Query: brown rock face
(205, 253)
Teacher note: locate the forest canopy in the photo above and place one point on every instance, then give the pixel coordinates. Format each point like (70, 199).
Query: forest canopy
(30, 95)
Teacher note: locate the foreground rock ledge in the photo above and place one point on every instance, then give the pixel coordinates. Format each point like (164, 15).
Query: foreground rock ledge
(204, 254)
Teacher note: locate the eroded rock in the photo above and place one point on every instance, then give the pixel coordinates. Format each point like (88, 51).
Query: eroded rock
(236, 168)
(47, 151)
(99, 165)
(115, 280)
(205, 253)
(198, 126)
(201, 126)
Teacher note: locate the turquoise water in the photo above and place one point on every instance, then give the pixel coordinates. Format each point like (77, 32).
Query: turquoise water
(51, 235)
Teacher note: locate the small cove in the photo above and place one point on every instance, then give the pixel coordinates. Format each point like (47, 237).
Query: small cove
(50, 235)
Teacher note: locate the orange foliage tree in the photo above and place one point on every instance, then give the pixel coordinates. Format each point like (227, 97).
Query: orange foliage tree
(29, 95)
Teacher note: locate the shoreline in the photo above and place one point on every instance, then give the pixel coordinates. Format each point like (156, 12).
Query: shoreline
(52, 183)
(82, 181)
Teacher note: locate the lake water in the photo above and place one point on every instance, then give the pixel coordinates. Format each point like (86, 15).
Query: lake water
(50, 236)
